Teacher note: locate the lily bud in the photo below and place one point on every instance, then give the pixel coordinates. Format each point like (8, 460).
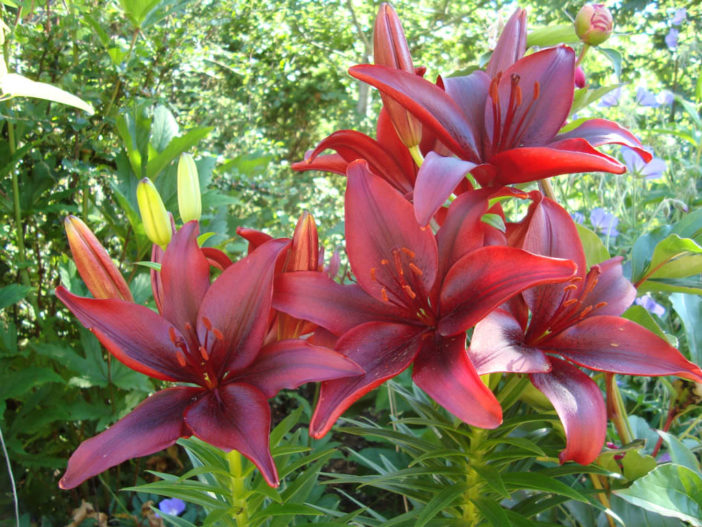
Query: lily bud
(593, 24)
(93, 262)
(390, 49)
(304, 254)
(580, 80)
(189, 203)
(153, 212)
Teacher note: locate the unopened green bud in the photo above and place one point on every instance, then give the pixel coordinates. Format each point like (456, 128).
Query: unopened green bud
(593, 24)
(157, 223)
(189, 203)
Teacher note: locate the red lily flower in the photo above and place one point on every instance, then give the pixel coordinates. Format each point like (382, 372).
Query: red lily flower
(576, 324)
(209, 336)
(416, 295)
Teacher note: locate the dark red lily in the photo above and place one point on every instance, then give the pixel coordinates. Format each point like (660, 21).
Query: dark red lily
(576, 324)
(209, 336)
(416, 295)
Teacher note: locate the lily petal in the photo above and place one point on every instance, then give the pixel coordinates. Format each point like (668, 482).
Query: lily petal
(134, 334)
(485, 278)
(236, 417)
(511, 45)
(617, 345)
(152, 426)
(327, 163)
(603, 132)
(383, 350)
(581, 408)
(238, 305)
(255, 237)
(290, 363)
(613, 293)
(383, 239)
(185, 275)
(436, 180)
(426, 101)
(315, 297)
(443, 370)
(524, 164)
(497, 345)
(470, 92)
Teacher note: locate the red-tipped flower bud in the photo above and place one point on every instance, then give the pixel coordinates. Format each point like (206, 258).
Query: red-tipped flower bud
(94, 265)
(390, 49)
(304, 253)
(593, 24)
(579, 77)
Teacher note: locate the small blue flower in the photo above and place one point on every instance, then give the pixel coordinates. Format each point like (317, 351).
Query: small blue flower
(671, 39)
(665, 98)
(679, 16)
(646, 98)
(650, 305)
(604, 222)
(611, 98)
(578, 217)
(172, 506)
(651, 170)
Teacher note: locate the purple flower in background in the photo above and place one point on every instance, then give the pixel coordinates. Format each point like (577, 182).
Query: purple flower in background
(611, 98)
(646, 98)
(650, 305)
(679, 16)
(604, 222)
(578, 217)
(671, 39)
(651, 170)
(172, 506)
(665, 98)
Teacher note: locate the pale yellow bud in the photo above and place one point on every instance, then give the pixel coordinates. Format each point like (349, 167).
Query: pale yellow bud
(189, 203)
(153, 212)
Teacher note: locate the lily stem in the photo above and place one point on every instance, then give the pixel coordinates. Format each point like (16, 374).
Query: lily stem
(616, 410)
(238, 489)
(547, 189)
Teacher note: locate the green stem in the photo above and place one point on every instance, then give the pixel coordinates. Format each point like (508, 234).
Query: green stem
(546, 189)
(581, 56)
(470, 513)
(616, 411)
(241, 513)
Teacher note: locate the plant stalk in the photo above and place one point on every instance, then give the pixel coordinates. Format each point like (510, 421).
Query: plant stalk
(238, 489)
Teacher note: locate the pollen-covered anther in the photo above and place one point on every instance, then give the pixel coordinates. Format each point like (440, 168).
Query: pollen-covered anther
(409, 292)
(217, 334)
(180, 357)
(172, 335)
(384, 294)
(600, 304)
(372, 274)
(570, 302)
(537, 89)
(585, 312)
(570, 287)
(416, 270)
(206, 322)
(203, 353)
(408, 252)
(384, 261)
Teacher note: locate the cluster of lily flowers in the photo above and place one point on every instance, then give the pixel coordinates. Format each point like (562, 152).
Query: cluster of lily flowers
(432, 256)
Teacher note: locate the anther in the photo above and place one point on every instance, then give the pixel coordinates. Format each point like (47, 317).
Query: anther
(180, 356)
(408, 252)
(203, 353)
(600, 304)
(416, 270)
(172, 335)
(188, 326)
(372, 273)
(207, 323)
(409, 292)
(585, 312)
(570, 302)
(218, 334)
(398, 261)
(384, 261)
(569, 287)
(537, 89)
(384, 294)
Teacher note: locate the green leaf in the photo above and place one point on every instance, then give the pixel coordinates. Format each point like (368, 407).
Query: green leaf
(614, 57)
(439, 502)
(583, 97)
(492, 512)
(679, 453)
(14, 384)
(13, 293)
(494, 220)
(676, 257)
(595, 250)
(536, 481)
(669, 490)
(163, 128)
(283, 509)
(552, 35)
(176, 147)
(16, 85)
(643, 318)
(492, 478)
(636, 465)
(689, 309)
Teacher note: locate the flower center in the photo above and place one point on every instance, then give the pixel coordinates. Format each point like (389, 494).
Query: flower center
(509, 128)
(192, 353)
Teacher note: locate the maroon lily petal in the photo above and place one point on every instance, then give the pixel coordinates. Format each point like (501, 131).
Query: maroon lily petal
(391, 256)
(603, 132)
(426, 101)
(383, 350)
(470, 92)
(236, 417)
(238, 305)
(152, 426)
(387, 138)
(614, 344)
(520, 165)
(255, 237)
(531, 101)
(443, 370)
(485, 278)
(327, 163)
(216, 258)
(352, 145)
(436, 180)
(613, 293)
(290, 363)
(497, 345)
(185, 275)
(581, 408)
(315, 297)
(511, 45)
(134, 334)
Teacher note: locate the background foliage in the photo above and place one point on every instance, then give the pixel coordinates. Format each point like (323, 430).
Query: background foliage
(248, 88)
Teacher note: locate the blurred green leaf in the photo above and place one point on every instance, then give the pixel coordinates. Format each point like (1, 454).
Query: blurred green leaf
(689, 309)
(13, 293)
